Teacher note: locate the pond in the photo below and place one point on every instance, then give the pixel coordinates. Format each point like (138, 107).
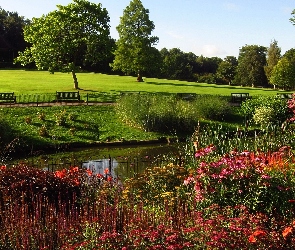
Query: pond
(124, 161)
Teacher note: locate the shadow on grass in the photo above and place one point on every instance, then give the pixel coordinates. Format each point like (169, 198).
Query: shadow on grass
(206, 85)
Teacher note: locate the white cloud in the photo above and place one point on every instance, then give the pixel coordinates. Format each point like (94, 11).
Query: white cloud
(231, 6)
(210, 50)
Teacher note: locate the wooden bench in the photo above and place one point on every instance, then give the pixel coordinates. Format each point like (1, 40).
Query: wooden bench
(67, 96)
(239, 97)
(8, 97)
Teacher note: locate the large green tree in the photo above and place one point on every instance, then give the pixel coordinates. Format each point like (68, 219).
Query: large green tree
(177, 64)
(283, 74)
(227, 69)
(250, 69)
(135, 52)
(67, 38)
(272, 58)
(11, 35)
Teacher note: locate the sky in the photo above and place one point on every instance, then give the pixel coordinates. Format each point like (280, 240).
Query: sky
(209, 28)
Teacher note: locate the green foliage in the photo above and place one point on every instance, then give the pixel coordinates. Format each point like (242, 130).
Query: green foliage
(211, 107)
(250, 69)
(227, 69)
(275, 104)
(11, 30)
(63, 125)
(264, 116)
(135, 51)
(155, 184)
(170, 114)
(157, 113)
(177, 64)
(283, 74)
(63, 40)
(273, 56)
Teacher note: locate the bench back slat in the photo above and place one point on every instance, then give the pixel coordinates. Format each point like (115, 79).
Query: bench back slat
(8, 97)
(67, 95)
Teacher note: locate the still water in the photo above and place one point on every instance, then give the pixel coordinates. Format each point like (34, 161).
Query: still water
(125, 161)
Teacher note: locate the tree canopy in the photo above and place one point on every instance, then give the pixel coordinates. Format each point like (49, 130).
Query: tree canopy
(65, 39)
(272, 58)
(250, 69)
(135, 51)
(283, 74)
(227, 69)
(11, 35)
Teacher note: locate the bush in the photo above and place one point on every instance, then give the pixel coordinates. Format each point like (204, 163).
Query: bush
(264, 116)
(280, 111)
(212, 107)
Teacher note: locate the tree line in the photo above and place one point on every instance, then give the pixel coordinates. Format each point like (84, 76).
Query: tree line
(77, 37)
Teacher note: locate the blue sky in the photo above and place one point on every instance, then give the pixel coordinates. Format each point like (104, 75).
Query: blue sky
(209, 28)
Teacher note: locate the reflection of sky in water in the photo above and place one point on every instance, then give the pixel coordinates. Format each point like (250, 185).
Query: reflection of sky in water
(100, 166)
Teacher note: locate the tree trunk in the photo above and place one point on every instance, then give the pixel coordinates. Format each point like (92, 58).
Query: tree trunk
(139, 77)
(75, 80)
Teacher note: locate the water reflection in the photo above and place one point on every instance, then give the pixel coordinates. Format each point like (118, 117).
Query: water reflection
(123, 162)
(102, 167)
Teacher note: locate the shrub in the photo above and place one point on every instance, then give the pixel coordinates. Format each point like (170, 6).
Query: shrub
(28, 119)
(264, 116)
(280, 111)
(212, 107)
(43, 131)
(41, 116)
(61, 118)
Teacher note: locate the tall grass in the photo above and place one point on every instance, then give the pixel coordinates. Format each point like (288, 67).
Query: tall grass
(152, 112)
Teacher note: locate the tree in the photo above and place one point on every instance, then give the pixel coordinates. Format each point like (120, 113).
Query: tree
(227, 69)
(283, 74)
(135, 51)
(176, 64)
(11, 35)
(272, 58)
(292, 20)
(68, 38)
(250, 69)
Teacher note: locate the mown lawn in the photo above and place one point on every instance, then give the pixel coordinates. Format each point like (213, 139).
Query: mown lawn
(32, 82)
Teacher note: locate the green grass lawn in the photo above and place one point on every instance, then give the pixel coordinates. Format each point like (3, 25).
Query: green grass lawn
(39, 82)
(51, 127)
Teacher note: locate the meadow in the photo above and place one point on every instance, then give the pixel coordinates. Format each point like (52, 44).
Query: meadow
(235, 188)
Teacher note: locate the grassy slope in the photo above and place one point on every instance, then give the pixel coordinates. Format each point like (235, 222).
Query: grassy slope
(30, 82)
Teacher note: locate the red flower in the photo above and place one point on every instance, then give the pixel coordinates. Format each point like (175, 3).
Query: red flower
(259, 233)
(252, 237)
(287, 231)
(99, 176)
(74, 169)
(3, 167)
(60, 174)
(106, 171)
(89, 172)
